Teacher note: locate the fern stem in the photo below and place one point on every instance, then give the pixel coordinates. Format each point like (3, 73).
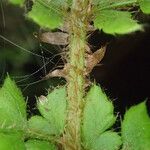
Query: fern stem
(76, 81)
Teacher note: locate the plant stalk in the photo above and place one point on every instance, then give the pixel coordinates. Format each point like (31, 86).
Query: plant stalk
(76, 81)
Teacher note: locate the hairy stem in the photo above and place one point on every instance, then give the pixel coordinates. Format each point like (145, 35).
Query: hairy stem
(76, 79)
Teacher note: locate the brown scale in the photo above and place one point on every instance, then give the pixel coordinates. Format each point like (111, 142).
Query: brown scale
(61, 38)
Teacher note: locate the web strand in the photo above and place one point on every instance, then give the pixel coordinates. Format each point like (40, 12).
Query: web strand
(20, 47)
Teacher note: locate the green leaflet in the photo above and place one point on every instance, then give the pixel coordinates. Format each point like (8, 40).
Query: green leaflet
(97, 117)
(39, 145)
(12, 141)
(17, 2)
(53, 108)
(115, 22)
(136, 128)
(45, 14)
(39, 126)
(145, 6)
(13, 106)
(107, 141)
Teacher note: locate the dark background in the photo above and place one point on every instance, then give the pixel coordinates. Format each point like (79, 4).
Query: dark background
(124, 73)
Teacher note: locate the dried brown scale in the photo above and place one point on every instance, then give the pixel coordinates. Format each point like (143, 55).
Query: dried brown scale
(91, 61)
(58, 73)
(56, 38)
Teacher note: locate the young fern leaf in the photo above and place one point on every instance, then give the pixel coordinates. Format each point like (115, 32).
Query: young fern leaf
(13, 108)
(97, 118)
(108, 140)
(136, 128)
(39, 127)
(53, 109)
(116, 22)
(46, 14)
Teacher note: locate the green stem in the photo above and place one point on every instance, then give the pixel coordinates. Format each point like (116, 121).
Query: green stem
(76, 81)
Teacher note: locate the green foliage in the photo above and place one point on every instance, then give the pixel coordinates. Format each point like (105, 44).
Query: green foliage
(97, 118)
(136, 128)
(107, 141)
(13, 121)
(40, 126)
(49, 14)
(118, 22)
(46, 15)
(12, 116)
(53, 108)
(145, 6)
(11, 141)
(113, 21)
(39, 145)
(13, 107)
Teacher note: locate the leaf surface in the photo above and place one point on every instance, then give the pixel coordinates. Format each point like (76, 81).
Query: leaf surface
(97, 116)
(39, 145)
(46, 15)
(116, 22)
(13, 106)
(107, 141)
(136, 128)
(40, 126)
(11, 141)
(53, 108)
(145, 6)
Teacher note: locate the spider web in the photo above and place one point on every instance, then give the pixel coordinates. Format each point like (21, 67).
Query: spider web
(46, 59)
